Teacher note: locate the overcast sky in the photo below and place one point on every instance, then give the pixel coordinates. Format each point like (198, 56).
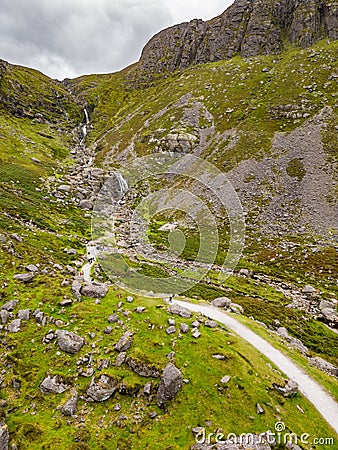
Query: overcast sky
(67, 38)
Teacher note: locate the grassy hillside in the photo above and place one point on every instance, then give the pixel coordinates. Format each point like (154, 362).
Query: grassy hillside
(234, 108)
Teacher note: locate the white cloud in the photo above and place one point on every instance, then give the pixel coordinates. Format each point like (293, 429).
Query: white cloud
(67, 38)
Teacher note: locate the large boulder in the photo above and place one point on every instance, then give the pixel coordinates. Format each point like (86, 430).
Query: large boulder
(52, 385)
(4, 436)
(221, 302)
(180, 311)
(68, 341)
(171, 383)
(101, 390)
(94, 290)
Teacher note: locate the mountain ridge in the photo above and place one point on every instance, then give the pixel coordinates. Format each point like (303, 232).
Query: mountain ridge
(247, 28)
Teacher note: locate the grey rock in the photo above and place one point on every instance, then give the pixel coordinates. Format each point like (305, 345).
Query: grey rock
(14, 326)
(210, 324)
(124, 343)
(184, 327)
(245, 273)
(69, 342)
(24, 277)
(180, 311)
(140, 309)
(221, 302)
(52, 385)
(294, 342)
(238, 309)
(108, 330)
(11, 305)
(325, 366)
(147, 388)
(4, 316)
(4, 436)
(70, 407)
(225, 379)
(66, 302)
(259, 409)
(308, 289)
(76, 289)
(113, 318)
(64, 188)
(171, 383)
(94, 290)
(142, 369)
(120, 359)
(86, 204)
(171, 330)
(130, 299)
(195, 333)
(32, 268)
(102, 389)
(247, 28)
(24, 314)
(288, 390)
(16, 237)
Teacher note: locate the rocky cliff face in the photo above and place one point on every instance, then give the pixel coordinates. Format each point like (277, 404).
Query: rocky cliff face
(248, 28)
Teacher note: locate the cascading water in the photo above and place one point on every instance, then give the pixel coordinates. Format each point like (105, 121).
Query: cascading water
(122, 183)
(84, 128)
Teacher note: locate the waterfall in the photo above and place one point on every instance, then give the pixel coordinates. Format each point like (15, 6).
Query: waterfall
(122, 183)
(84, 128)
(86, 116)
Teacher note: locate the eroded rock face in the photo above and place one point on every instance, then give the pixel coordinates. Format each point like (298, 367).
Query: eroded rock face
(171, 383)
(102, 389)
(69, 342)
(248, 28)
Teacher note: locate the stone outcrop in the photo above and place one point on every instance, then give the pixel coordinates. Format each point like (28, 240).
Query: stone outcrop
(171, 383)
(248, 28)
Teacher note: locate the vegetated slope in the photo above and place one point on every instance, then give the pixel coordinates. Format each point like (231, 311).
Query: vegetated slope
(228, 113)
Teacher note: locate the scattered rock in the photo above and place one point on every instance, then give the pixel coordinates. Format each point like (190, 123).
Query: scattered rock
(4, 316)
(130, 299)
(259, 409)
(94, 290)
(124, 343)
(76, 288)
(180, 311)
(32, 268)
(120, 359)
(294, 342)
(238, 309)
(113, 318)
(184, 327)
(108, 330)
(308, 289)
(221, 302)
(52, 385)
(195, 333)
(69, 342)
(210, 324)
(290, 389)
(147, 388)
(171, 330)
(23, 314)
(70, 407)
(101, 390)
(10, 306)
(325, 366)
(14, 326)
(225, 379)
(140, 309)
(171, 383)
(24, 277)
